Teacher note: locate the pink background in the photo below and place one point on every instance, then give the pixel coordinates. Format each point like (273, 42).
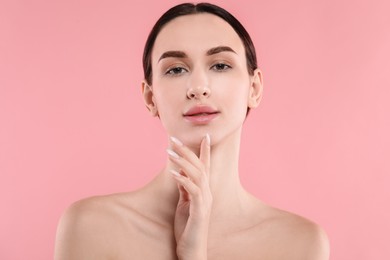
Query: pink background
(73, 123)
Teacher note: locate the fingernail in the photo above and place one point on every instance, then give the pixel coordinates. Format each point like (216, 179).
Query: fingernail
(176, 141)
(175, 173)
(208, 139)
(172, 153)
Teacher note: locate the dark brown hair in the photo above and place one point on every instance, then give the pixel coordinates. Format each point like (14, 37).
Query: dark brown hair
(187, 9)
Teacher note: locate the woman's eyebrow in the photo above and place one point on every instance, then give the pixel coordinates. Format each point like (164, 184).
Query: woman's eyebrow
(173, 54)
(219, 49)
(181, 54)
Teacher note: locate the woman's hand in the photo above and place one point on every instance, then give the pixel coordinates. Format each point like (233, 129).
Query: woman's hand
(193, 209)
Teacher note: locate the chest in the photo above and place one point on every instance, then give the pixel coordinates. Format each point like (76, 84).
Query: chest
(141, 239)
(160, 243)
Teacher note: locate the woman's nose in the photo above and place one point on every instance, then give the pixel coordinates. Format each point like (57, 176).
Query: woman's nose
(198, 92)
(198, 87)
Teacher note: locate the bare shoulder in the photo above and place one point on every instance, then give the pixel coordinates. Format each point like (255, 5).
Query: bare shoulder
(85, 227)
(300, 237)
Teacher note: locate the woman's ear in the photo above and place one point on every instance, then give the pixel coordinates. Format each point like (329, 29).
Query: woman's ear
(149, 100)
(256, 89)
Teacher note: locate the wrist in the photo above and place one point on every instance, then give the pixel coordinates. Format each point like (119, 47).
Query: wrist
(200, 254)
(202, 257)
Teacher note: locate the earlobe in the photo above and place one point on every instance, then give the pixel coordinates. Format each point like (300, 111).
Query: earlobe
(256, 89)
(147, 93)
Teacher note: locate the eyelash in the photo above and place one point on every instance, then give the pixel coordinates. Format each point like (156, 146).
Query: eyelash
(225, 66)
(175, 71)
(171, 71)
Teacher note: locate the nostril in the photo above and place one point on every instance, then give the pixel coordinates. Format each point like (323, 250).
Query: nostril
(197, 93)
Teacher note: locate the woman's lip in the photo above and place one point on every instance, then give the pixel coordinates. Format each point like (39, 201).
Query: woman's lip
(199, 110)
(201, 118)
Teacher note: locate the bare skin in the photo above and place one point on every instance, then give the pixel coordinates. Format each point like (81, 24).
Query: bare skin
(196, 207)
(139, 225)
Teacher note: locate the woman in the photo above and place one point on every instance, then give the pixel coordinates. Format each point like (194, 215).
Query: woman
(201, 79)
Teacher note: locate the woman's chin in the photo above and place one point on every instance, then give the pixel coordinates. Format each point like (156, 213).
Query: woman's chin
(193, 140)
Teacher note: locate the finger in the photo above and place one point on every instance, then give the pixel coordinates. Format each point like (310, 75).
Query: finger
(186, 153)
(205, 153)
(186, 167)
(190, 187)
(182, 192)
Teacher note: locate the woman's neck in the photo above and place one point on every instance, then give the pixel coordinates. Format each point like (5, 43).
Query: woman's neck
(229, 197)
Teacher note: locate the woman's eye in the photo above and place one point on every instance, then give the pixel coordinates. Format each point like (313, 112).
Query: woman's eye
(175, 71)
(221, 67)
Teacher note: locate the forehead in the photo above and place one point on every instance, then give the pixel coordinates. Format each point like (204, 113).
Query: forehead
(196, 33)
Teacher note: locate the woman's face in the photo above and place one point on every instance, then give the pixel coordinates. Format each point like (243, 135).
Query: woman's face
(199, 62)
